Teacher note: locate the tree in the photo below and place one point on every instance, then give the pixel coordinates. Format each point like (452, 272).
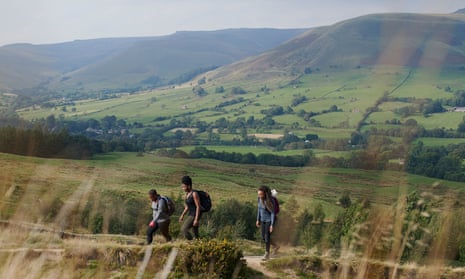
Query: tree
(311, 137)
(219, 89)
(435, 107)
(201, 81)
(199, 91)
(461, 128)
(237, 90)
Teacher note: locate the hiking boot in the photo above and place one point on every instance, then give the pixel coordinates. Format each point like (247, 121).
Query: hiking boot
(266, 256)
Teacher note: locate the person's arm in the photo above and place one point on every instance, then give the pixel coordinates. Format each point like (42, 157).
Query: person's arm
(183, 212)
(195, 195)
(257, 223)
(272, 221)
(160, 206)
(154, 214)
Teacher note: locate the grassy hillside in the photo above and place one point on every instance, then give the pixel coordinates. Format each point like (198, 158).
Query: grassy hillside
(128, 63)
(27, 66)
(412, 40)
(60, 183)
(353, 92)
(67, 193)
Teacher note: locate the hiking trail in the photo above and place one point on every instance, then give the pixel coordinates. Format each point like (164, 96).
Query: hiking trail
(255, 262)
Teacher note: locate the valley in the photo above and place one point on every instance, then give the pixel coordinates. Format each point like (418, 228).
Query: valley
(359, 126)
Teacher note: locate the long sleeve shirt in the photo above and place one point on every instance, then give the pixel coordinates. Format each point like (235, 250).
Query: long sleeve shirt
(159, 210)
(263, 215)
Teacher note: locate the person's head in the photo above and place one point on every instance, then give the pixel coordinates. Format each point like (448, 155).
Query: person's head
(263, 192)
(153, 195)
(186, 183)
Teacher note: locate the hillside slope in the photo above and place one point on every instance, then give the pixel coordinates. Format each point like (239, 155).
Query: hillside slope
(412, 40)
(129, 62)
(27, 65)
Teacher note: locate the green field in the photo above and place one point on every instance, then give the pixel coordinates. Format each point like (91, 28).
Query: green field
(439, 141)
(352, 91)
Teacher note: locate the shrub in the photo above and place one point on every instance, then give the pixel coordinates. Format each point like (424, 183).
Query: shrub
(209, 258)
(96, 224)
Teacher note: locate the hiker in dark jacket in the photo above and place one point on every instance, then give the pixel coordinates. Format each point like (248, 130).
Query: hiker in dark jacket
(161, 219)
(191, 208)
(265, 217)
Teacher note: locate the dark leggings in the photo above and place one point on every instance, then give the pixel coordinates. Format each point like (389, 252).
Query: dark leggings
(266, 235)
(164, 229)
(189, 223)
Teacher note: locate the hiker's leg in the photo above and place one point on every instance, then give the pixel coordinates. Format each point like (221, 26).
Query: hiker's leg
(262, 230)
(150, 232)
(266, 235)
(186, 226)
(165, 229)
(196, 231)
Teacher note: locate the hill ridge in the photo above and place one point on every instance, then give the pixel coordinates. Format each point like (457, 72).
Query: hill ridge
(399, 39)
(125, 63)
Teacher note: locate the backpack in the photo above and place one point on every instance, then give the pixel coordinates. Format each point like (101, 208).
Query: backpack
(170, 207)
(205, 201)
(276, 205)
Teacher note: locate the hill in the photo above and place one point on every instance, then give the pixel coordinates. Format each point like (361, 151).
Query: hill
(330, 81)
(26, 65)
(461, 11)
(410, 40)
(129, 63)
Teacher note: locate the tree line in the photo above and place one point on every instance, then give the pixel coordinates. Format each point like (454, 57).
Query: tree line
(41, 143)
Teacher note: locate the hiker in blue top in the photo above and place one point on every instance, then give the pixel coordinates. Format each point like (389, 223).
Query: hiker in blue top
(265, 217)
(161, 219)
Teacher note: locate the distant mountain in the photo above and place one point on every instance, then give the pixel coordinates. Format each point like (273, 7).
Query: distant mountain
(130, 62)
(412, 40)
(461, 11)
(26, 65)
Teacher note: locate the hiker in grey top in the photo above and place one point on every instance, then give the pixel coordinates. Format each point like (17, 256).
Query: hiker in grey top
(161, 219)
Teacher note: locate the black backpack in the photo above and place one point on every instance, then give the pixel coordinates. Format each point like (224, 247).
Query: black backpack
(205, 201)
(170, 207)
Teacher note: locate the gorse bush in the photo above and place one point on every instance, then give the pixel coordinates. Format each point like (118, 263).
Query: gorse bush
(209, 259)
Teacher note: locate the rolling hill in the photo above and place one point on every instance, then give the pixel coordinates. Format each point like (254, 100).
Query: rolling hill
(411, 40)
(129, 62)
(375, 71)
(331, 66)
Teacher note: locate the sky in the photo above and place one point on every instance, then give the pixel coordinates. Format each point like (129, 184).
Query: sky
(52, 21)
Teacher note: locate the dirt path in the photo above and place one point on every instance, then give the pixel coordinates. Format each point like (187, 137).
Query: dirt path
(255, 262)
